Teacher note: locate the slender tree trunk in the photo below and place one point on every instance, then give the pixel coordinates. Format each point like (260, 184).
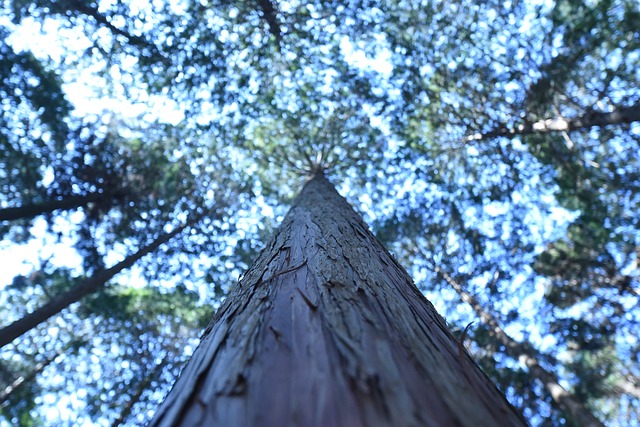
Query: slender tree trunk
(270, 15)
(326, 329)
(622, 115)
(141, 387)
(85, 287)
(526, 354)
(33, 210)
(18, 382)
(625, 386)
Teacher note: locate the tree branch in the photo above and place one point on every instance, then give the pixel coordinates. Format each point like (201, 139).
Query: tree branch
(591, 119)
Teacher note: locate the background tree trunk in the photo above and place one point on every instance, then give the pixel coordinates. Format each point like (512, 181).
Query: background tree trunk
(140, 388)
(527, 355)
(326, 329)
(591, 119)
(65, 203)
(23, 379)
(85, 287)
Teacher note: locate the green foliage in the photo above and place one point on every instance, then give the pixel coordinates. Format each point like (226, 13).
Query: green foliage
(148, 305)
(34, 109)
(242, 101)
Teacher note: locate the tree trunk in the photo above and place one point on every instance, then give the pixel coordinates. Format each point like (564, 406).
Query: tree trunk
(527, 355)
(21, 380)
(33, 210)
(622, 115)
(326, 329)
(140, 388)
(85, 287)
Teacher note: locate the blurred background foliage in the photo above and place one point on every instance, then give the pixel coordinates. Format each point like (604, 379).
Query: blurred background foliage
(123, 119)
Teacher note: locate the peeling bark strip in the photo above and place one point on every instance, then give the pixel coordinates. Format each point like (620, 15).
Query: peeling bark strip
(326, 329)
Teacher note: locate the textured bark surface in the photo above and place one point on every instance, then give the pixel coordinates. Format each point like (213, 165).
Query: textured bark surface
(326, 329)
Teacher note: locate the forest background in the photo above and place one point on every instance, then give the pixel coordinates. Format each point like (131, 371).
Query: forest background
(493, 147)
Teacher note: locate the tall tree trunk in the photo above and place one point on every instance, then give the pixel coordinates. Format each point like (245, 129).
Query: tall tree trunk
(21, 380)
(326, 329)
(140, 388)
(85, 287)
(526, 354)
(592, 119)
(33, 210)
(270, 15)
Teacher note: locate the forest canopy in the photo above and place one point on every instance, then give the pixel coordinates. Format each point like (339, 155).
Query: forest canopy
(149, 148)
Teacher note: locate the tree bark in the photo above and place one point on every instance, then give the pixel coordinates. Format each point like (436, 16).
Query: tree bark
(592, 119)
(85, 287)
(527, 355)
(33, 210)
(326, 329)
